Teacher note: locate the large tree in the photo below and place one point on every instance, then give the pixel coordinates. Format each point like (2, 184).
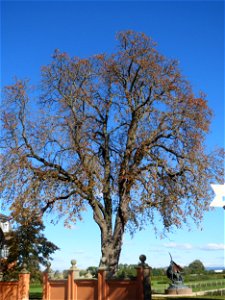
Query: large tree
(121, 133)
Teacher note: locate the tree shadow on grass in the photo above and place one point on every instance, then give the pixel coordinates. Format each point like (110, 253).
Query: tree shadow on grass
(35, 296)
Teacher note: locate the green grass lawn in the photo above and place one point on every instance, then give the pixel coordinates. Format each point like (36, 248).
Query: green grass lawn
(202, 285)
(207, 285)
(188, 298)
(35, 291)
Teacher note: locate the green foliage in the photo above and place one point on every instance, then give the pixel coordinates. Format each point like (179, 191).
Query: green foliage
(58, 275)
(93, 270)
(126, 271)
(27, 244)
(195, 267)
(83, 273)
(158, 271)
(35, 291)
(65, 274)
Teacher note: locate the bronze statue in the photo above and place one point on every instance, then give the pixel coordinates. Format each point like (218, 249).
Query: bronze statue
(174, 272)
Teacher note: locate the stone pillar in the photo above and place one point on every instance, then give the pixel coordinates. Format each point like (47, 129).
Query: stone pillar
(75, 270)
(46, 284)
(24, 284)
(102, 288)
(71, 284)
(140, 287)
(144, 273)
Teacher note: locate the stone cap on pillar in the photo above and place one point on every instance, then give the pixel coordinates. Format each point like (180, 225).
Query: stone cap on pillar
(74, 269)
(24, 269)
(142, 263)
(73, 263)
(49, 270)
(48, 267)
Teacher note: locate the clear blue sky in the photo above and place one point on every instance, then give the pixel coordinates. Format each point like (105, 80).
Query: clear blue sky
(192, 32)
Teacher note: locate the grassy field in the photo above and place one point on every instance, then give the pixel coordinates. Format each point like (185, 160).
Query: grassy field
(35, 291)
(188, 298)
(200, 285)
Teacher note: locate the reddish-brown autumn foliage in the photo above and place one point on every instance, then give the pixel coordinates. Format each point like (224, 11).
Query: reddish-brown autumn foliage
(122, 133)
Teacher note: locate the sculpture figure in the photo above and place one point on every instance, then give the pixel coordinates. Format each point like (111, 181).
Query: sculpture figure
(174, 272)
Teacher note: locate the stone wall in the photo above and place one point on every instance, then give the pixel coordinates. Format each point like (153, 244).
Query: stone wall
(98, 289)
(16, 290)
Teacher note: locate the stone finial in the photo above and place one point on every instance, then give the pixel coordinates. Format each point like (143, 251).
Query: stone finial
(74, 269)
(49, 270)
(48, 267)
(24, 269)
(143, 258)
(73, 263)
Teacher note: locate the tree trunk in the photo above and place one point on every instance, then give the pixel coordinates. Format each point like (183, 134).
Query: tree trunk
(111, 249)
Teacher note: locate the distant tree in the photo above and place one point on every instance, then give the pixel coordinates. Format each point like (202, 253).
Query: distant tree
(27, 244)
(82, 273)
(65, 274)
(196, 267)
(58, 275)
(121, 133)
(93, 270)
(126, 271)
(158, 271)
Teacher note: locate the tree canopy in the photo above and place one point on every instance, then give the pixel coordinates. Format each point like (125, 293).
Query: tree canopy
(27, 244)
(122, 133)
(196, 267)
